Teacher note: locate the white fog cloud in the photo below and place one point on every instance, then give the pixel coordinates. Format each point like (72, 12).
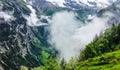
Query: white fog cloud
(69, 38)
(62, 29)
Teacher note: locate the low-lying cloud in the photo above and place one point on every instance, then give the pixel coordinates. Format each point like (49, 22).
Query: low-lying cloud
(68, 35)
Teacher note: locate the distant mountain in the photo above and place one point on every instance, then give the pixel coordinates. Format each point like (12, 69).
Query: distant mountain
(84, 7)
(88, 3)
(71, 4)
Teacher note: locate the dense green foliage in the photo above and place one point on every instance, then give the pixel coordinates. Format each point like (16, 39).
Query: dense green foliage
(52, 64)
(40, 47)
(101, 54)
(107, 61)
(107, 42)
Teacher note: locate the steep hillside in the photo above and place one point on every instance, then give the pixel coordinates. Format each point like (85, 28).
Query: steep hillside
(107, 61)
(20, 44)
(107, 42)
(101, 54)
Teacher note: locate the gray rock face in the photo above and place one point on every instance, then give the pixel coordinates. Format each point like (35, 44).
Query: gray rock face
(17, 39)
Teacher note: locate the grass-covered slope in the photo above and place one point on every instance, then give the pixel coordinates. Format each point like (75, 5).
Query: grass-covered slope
(107, 61)
(101, 54)
(107, 42)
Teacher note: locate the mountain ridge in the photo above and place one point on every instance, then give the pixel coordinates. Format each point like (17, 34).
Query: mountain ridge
(88, 3)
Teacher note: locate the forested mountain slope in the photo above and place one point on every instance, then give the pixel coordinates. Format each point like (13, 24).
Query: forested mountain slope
(101, 54)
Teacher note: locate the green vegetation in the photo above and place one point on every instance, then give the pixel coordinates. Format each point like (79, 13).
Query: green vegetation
(51, 11)
(101, 54)
(52, 64)
(40, 48)
(23, 68)
(107, 61)
(107, 42)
